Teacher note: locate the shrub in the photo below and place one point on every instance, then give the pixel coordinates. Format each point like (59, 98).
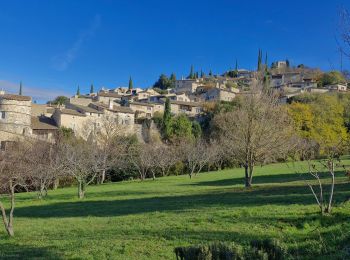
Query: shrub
(269, 249)
(272, 247)
(215, 251)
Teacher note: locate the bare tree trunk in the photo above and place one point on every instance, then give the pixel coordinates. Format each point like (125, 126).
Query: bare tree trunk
(81, 189)
(56, 183)
(8, 222)
(191, 174)
(246, 175)
(251, 171)
(103, 176)
(331, 170)
(42, 191)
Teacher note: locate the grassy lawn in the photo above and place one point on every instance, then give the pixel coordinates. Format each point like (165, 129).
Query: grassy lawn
(146, 220)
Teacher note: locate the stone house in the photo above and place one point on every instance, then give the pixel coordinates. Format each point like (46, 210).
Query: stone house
(42, 110)
(337, 87)
(106, 97)
(123, 115)
(70, 118)
(187, 85)
(217, 94)
(44, 128)
(191, 109)
(142, 109)
(15, 117)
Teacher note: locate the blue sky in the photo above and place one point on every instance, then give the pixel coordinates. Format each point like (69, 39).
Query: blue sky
(53, 46)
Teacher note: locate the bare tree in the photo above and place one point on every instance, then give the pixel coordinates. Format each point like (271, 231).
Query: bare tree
(45, 166)
(257, 132)
(79, 161)
(164, 157)
(141, 157)
(13, 175)
(316, 168)
(220, 152)
(106, 136)
(196, 155)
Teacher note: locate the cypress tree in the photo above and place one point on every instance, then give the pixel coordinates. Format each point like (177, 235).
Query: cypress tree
(131, 84)
(287, 63)
(197, 76)
(191, 76)
(78, 91)
(173, 77)
(202, 74)
(20, 89)
(166, 127)
(259, 60)
(210, 73)
(92, 88)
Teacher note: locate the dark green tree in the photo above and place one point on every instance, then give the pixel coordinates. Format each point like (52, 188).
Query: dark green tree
(181, 126)
(78, 91)
(259, 60)
(131, 84)
(196, 129)
(210, 73)
(166, 127)
(197, 76)
(92, 88)
(60, 100)
(20, 89)
(164, 82)
(287, 63)
(192, 75)
(173, 77)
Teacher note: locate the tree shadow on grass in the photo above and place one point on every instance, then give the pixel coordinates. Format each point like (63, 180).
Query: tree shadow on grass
(91, 193)
(263, 179)
(238, 197)
(14, 251)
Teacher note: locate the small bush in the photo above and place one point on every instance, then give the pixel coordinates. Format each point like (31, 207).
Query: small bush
(272, 247)
(269, 249)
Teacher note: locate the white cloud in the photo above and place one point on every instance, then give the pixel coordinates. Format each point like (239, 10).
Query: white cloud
(37, 93)
(62, 61)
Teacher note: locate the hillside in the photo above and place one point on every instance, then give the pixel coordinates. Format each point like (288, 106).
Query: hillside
(147, 220)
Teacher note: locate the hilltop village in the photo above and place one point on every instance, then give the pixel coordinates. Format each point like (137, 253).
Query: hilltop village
(132, 106)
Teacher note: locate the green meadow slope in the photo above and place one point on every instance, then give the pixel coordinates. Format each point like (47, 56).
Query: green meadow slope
(147, 220)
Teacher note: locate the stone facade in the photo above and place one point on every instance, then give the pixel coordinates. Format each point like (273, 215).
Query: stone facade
(216, 94)
(187, 85)
(15, 116)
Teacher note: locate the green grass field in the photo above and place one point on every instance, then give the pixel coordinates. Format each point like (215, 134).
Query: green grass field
(147, 220)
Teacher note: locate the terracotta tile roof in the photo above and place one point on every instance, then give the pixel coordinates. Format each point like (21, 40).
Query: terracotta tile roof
(71, 112)
(141, 104)
(109, 94)
(120, 109)
(184, 103)
(87, 109)
(43, 123)
(15, 97)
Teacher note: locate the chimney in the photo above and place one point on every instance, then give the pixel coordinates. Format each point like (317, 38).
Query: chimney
(110, 104)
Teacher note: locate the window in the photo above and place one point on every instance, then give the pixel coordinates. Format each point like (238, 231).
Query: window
(2, 114)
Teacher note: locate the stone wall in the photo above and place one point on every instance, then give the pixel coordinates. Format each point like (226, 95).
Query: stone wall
(17, 116)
